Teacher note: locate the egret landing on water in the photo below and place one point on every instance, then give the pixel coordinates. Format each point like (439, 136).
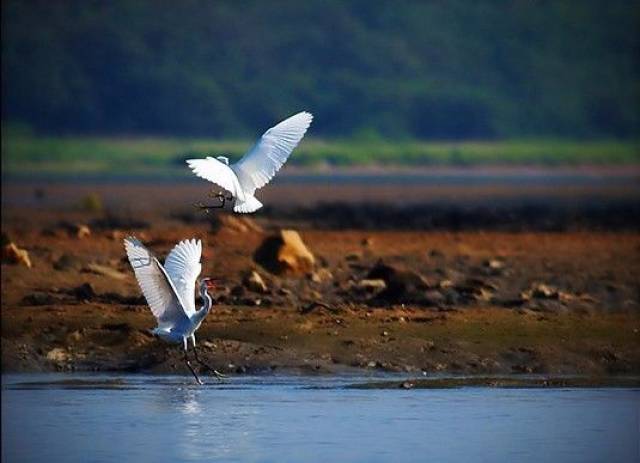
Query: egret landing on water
(256, 168)
(169, 291)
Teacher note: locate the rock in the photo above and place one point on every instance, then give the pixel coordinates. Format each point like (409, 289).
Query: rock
(445, 284)
(474, 289)
(84, 292)
(371, 286)
(367, 242)
(68, 262)
(254, 282)
(58, 354)
(353, 257)
(74, 229)
(285, 254)
(402, 285)
(492, 267)
(116, 235)
(540, 291)
(321, 275)
(82, 231)
(105, 271)
(38, 299)
(14, 255)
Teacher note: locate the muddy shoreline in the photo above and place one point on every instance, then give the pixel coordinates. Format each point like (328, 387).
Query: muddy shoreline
(446, 288)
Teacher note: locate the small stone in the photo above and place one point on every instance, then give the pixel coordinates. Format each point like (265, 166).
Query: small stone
(68, 262)
(57, 354)
(352, 257)
(82, 231)
(321, 275)
(371, 285)
(540, 291)
(445, 284)
(367, 242)
(38, 299)
(14, 255)
(84, 292)
(493, 264)
(116, 235)
(254, 282)
(435, 253)
(105, 271)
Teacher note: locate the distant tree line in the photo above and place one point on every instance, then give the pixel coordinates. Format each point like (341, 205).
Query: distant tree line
(398, 69)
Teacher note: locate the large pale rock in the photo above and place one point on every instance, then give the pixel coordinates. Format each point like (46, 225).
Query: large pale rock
(14, 255)
(285, 254)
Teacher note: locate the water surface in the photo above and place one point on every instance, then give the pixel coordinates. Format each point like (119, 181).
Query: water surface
(304, 419)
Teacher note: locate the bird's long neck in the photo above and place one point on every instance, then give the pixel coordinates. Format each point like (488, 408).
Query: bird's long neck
(206, 307)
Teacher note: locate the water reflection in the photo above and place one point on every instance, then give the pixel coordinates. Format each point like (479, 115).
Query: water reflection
(212, 425)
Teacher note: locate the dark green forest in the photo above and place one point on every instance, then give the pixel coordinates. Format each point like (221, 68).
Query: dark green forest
(395, 69)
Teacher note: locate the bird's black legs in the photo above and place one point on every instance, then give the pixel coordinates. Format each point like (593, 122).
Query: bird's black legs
(220, 196)
(193, 372)
(212, 370)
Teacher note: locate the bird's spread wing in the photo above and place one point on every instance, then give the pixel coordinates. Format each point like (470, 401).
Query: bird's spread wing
(155, 284)
(260, 164)
(215, 171)
(183, 267)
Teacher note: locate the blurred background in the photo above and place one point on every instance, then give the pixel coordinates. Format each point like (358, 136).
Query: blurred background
(465, 204)
(137, 86)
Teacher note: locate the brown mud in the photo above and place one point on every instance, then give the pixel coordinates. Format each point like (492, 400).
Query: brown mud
(471, 300)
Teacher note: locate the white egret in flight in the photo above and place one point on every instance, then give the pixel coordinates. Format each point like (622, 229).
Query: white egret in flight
(169, 291)
(257, 167)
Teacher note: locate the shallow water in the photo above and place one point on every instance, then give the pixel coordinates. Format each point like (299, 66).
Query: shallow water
(99, 418)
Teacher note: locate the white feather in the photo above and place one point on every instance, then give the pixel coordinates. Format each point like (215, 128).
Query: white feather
(217, 172)
(157, 287)
(259, 165)
(183, 267)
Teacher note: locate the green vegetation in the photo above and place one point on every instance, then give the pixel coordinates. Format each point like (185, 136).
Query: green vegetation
(72, 155)
(414, 69)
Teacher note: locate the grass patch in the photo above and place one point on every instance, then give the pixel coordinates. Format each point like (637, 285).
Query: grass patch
(26, 154)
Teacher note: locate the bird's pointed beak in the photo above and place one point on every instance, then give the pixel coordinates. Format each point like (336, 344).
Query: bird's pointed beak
(210, 283)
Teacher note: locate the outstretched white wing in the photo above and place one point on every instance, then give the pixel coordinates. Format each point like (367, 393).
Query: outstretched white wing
(183, 267)
(260, 164)
(215, 171)
(155, 284)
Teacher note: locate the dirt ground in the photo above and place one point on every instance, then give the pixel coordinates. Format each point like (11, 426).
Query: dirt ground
(491, 302)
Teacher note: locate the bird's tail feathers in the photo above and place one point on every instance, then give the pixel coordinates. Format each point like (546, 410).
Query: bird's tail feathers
(250, 204)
